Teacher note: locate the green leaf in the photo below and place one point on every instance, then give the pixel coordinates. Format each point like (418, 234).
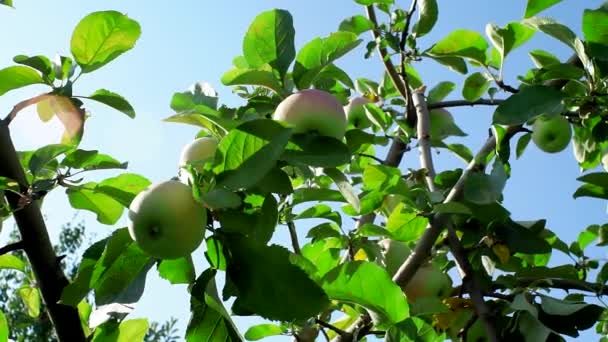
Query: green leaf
(40, 63)
(553, 28)
(350, 283)
(356, 24)
(15, 77)
(91, 160)
(316, 150)
(542, 58)
(344, 186)
(428, 13)
(11, 262)
(475, 86)
(46, 154)
(102, 36)
(4, 331)
(209, 321)
(106, 208)
(270, 40)
(595, 25)
(453, 63)
(113, 100)
(440, 91)
(462, 43)
(249, 152)
(508, 38)
(528, 103)
(133, 330)
(219, 198)
(31, 299)
(596, 186)
(536, 6)
(260, 331)
(74, 292)
(303, 195)
(123, 188)
(177, 271)
(10, 4)
(522, 143)
(258, 224)
(406, 225)
(481, 188)
(319, 53)
(262, 76)
(264, 277)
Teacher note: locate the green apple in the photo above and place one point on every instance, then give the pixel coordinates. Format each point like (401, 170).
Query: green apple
(551, 134)
(166, 221)
(196, 153)
(355, 112)
(313, 110)
(429, 281)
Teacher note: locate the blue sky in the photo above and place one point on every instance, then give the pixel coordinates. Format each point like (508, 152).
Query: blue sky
(189, 41)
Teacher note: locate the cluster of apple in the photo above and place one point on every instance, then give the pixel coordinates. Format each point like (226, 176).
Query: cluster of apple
(166, 220)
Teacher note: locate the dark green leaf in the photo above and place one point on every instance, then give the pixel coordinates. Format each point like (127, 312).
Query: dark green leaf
(428, 13)
(102, 36)
(316, 150)
(249, 152)
(528, 103)
(596, 186)
(262, 76)
(344, 187)
(40, 63)
(475, 86)
(80, 286)
(453, 63)
(91, 160)
(46, 154)
(269, 285)
(440, 91)
(543, 58)
(522, 143)
(113, 100)
(595, 25)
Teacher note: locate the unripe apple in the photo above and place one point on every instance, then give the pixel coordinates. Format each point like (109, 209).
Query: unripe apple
(551, 134)
(197, 153)
(355, 112)
(166, 221)
(428, 281)
(313, 110)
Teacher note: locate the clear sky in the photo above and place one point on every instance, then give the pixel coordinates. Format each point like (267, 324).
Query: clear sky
(189, 41)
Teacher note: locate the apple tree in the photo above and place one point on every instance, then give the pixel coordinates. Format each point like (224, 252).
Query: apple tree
(396, 254)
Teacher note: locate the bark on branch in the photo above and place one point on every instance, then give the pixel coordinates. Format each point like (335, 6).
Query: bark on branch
(37, 245)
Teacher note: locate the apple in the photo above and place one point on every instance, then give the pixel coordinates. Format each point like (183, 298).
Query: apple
(551, 134)
(355, 112)
(166, 221)
(313, 110)
(197, 153)
(428, 281)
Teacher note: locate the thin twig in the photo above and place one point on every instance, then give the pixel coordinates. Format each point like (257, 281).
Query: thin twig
(380, 161)
(329, 326)
(406, 27)
(463, 103)
(293, 234)
(12, 247)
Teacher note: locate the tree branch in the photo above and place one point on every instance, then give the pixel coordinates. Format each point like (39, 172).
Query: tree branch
(12, 247)
(293, 234)
(463, 103)
(424, 139)
(36, 242)
(469, 281)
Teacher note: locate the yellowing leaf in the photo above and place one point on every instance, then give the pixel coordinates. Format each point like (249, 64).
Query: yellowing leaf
(502, 252)
(360, 255)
